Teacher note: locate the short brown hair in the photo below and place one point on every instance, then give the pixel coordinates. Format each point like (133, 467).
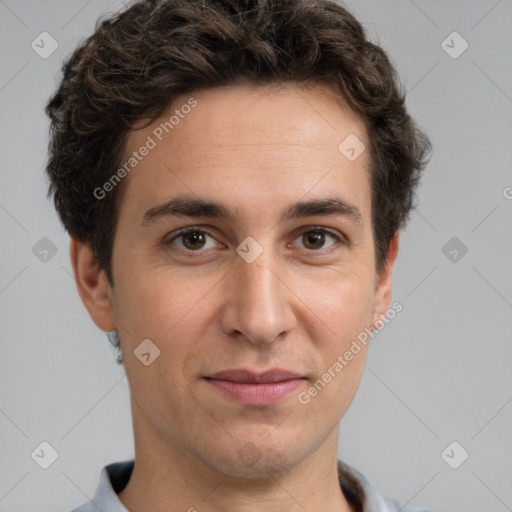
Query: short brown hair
(139, 60)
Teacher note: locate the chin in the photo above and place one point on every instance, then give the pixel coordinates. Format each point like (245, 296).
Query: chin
(254, 459)
(265, 466)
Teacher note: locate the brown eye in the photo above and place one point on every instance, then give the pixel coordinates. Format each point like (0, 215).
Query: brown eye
(315, 239)
(193, 240)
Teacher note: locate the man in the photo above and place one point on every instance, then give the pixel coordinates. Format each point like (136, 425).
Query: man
(234, 175)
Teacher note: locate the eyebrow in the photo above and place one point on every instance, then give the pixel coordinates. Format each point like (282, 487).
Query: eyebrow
(185, 206)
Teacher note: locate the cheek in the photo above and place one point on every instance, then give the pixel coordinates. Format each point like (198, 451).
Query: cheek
(339, 315)
(164, 305)
(341, 302)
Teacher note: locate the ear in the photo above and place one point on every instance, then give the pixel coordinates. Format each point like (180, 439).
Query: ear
(384, 282)
(92, 285)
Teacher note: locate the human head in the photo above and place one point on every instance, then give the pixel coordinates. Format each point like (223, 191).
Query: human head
(307, 68)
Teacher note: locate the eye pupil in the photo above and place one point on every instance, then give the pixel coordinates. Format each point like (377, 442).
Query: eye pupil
(314, 239)
(195, 238)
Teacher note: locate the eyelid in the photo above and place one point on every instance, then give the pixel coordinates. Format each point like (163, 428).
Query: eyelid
(304, 229)
(185, 231)
(335, 233)
(340, 238)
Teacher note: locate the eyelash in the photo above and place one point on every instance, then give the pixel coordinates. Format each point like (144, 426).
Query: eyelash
(313, 229)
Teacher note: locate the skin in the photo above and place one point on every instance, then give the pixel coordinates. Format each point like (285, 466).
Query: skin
(298, 306)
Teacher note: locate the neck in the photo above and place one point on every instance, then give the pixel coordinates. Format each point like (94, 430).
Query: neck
(165, 476)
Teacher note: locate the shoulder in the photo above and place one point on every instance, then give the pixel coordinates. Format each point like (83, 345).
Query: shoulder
(370, 500)
(396, 506)
(113, 479)
(86, 507)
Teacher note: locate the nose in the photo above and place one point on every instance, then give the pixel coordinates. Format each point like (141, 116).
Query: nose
(259, 303)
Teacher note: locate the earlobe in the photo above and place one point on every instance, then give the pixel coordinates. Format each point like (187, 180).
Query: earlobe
(92, 285)
(384, 282)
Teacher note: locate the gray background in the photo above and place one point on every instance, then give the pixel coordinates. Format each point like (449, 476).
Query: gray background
(440, 372)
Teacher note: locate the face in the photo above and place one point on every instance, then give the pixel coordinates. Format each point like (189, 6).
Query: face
(244, 245)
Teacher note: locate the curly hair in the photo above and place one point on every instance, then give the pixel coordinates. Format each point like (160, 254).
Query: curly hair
(139, 60)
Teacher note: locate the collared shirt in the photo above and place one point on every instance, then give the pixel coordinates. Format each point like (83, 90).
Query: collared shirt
(356, 489)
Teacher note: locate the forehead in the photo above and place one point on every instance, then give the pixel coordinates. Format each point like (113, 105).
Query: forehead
(259, 115)
(278, 141)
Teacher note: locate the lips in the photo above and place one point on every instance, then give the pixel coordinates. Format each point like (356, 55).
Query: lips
(247, 376)
(252, 388)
